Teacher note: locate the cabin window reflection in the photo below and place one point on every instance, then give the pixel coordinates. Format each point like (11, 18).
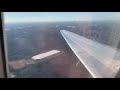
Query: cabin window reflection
(46, 44)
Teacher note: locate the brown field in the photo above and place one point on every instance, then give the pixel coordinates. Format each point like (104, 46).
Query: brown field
(62, 65)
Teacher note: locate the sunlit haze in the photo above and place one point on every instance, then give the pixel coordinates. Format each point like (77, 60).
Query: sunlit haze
(59, 16)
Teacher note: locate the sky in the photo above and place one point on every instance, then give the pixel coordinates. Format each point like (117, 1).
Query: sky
(59, 16)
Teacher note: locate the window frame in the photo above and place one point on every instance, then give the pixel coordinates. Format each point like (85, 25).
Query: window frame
(4, 69)
(3, 50)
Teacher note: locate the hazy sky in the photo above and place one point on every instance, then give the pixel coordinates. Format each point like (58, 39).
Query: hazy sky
(59, 16)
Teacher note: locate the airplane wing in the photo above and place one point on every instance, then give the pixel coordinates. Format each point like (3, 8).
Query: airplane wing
(99, 59)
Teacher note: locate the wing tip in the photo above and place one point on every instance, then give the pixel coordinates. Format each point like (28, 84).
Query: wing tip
(62, 31)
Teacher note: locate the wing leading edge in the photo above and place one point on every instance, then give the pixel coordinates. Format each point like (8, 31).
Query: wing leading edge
(96, 57)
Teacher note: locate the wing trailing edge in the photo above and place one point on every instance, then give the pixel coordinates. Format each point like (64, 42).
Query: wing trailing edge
(99, 59)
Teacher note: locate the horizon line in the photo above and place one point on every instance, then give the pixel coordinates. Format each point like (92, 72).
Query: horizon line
(60, 21)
